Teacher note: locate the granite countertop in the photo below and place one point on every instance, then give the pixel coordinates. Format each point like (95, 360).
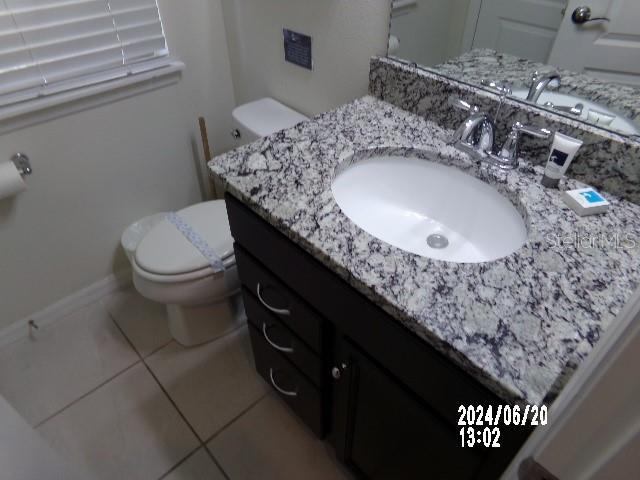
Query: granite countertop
(520, 324)
(486, 64)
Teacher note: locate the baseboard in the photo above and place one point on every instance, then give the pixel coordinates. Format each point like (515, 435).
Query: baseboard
(66, 306)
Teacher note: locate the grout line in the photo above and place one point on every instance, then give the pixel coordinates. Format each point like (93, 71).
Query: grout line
(202, 443)
(85, 395)
(175, 406)
(140, 355)
(164, 390)
(215, 460)
(224, 427)
(175, 467)
(184, 418)
(124, 335)
(237, 417)
(155, 350)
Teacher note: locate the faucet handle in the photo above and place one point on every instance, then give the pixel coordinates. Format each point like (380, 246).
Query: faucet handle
(501, 88)
(529, 130)
(507, 157)
(462, 105)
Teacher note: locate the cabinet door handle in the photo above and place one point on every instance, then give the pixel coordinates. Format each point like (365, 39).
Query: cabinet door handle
(274, 344)
(338, 370)
(288, 393)
(279, 311)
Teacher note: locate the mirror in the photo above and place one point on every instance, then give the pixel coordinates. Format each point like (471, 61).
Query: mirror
(586, 52)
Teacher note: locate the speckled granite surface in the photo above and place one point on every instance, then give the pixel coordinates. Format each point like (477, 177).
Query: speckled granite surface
(606, 160)
(520, 324)
(486, 64)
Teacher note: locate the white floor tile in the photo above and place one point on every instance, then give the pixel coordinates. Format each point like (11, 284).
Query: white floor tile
(143, 322)
(66, 360)
(197, 467)
(269, 443)
(127, 429)
(211, 384)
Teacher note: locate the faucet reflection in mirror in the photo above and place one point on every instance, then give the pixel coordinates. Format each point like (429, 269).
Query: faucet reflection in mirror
(577, 72)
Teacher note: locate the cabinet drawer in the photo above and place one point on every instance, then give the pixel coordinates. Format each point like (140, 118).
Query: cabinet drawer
(282, 339)
(298, 392)
(279, 299)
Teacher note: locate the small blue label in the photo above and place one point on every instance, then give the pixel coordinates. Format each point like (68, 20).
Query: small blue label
(592, 196)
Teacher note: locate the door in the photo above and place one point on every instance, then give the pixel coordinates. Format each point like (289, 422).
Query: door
(384, 432)
(609, 50)
(525, 28)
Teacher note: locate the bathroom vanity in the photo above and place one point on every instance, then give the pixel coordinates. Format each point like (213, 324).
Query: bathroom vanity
(346, 367)
(375, 347)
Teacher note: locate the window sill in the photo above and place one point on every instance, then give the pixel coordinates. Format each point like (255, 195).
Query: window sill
(25, 114)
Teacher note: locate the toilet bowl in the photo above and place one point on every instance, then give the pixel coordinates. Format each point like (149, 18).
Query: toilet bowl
(202, 303)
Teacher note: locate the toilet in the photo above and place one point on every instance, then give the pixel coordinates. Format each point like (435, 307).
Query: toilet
(202, 303)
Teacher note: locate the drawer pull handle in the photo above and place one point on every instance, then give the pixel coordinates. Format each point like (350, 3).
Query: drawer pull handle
(287, 393)
(279, 311)
(274, 344)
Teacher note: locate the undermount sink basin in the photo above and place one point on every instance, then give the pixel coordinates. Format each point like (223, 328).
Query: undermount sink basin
(429, 209)
(602, 115)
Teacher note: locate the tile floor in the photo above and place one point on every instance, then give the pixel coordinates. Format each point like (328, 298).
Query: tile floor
(110, 390)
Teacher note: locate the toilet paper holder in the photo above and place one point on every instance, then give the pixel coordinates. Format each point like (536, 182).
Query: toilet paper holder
(22, 163)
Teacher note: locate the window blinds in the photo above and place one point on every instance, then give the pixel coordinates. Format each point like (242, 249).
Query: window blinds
(53, 46)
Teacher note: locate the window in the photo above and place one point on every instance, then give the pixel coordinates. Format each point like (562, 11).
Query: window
(48, 47)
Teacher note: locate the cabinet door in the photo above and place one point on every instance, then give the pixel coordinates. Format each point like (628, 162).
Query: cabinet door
(383, 431)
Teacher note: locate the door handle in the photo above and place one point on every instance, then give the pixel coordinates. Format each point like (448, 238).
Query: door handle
(582, 15)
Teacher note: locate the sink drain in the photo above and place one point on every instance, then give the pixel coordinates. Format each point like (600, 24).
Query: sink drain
(437, 241)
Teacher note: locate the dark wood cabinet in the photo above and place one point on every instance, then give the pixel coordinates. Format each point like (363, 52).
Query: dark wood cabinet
(304, 398)
(385, 432)
(387, 399)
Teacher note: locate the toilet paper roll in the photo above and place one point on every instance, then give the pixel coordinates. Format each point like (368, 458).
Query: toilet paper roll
(11, 182)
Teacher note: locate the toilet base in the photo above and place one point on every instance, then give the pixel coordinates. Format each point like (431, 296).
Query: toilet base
(191, 326)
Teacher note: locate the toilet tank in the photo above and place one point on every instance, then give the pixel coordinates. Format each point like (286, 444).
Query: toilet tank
(261, 118)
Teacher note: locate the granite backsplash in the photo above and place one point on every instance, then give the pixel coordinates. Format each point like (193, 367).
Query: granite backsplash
(606, 161)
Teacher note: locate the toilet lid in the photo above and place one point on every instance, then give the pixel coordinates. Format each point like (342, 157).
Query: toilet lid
(165, 251)
(266, 116)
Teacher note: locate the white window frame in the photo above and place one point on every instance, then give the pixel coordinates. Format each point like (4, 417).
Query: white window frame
(166, 71)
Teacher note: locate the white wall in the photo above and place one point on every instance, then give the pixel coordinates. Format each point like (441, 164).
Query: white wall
(345, 35)
(600, 436)
(99, 170)
(594, 425)
(431, 31)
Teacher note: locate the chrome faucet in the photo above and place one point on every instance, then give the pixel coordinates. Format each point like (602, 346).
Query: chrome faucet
(476, 136)
(540, 82)
(507, 157)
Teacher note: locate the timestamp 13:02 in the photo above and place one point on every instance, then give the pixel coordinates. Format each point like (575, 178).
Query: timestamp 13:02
(480, 437)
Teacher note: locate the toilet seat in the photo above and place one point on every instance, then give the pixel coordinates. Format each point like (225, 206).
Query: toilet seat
(167, 268)
(165, 255)
(229, 262)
